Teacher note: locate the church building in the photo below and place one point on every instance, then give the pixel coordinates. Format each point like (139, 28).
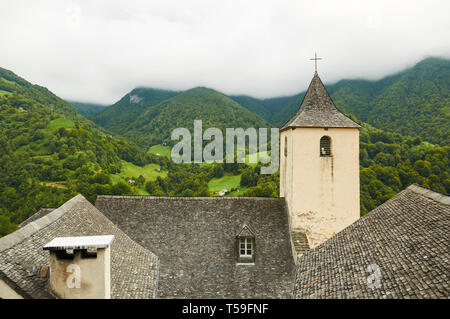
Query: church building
(319, 166)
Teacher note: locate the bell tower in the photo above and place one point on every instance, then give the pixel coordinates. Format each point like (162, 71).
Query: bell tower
(319, 166)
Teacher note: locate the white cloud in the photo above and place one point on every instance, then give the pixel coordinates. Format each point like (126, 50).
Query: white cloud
(99, 50)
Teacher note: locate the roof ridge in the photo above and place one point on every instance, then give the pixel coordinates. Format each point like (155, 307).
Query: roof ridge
(29, 229)
(319, 86)
(436, 196)
(288, 122)
(332, 101)
(40, 211)
(188, 198)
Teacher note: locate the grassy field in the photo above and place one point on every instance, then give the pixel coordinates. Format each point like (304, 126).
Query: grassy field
(127, 170)
(227, 181)
(161, 150)
(238, 192)
(142, 191)
(7, 81)
(41, 151)
(255, 157)
(130, 170)
(55, 184)
(166, 150)
(5, 93)
(56, 124)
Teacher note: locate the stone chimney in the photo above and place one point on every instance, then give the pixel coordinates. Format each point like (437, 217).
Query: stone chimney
(80, 267)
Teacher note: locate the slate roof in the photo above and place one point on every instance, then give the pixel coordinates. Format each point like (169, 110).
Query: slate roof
(41, 213)
(196, 240)
(24, 263)
(318, 109)
(407, 237)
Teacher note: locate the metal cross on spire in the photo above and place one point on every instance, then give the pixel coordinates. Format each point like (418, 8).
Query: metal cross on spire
(315, 60)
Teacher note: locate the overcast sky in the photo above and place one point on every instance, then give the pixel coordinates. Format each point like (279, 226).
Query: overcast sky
(97, 51)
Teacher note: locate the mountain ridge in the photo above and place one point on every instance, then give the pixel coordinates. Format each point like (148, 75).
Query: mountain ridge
(374, 102)
(215, 109)
(118, 116)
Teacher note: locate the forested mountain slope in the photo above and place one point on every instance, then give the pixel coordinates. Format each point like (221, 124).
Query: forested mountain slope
(414, 102)
(88, 110)
(49, 153)
(265, 108)
(119, 116)
(13, 85)
(215, 109)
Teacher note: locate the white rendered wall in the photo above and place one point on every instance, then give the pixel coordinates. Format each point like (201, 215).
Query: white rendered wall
(95, 276)
(322, 193)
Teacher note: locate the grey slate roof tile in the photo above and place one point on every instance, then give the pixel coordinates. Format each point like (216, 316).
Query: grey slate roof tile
(196, 240)
(407, 237)
(41, 213)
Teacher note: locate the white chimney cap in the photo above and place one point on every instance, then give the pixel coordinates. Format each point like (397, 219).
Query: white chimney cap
(82, 242)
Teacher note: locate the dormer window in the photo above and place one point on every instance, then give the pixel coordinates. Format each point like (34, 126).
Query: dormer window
(325, 146)
(246, 246)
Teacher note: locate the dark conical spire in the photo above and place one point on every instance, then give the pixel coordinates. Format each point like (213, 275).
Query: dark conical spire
(318, 109)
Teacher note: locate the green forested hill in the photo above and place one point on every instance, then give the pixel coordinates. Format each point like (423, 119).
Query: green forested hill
(413, 103)
(285, 113)
(89, 110)
(213, 108)
(118, 117)
(391, 162)
(49, 153)
(253, 104)
(265, 108)
(13, 85)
